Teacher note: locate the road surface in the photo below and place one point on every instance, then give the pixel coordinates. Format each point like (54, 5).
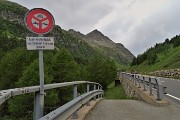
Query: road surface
(173, 89)
(132, 110)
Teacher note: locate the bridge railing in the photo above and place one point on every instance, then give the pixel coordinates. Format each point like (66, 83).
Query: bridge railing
(148, 83)
(64, 111)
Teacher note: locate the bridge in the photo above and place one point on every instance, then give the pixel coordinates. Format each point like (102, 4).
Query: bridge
(148, 92)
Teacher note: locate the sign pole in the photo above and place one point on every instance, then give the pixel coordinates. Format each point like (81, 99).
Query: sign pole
(39, 21)
(41, 75)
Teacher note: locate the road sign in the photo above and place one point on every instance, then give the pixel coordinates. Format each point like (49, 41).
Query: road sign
(40, 43)
(39, 21)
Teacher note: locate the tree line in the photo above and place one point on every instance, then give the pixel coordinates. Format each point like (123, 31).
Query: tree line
(19, 68)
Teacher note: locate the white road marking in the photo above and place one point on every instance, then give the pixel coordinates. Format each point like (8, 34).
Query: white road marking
(162, 81)
(173, 97)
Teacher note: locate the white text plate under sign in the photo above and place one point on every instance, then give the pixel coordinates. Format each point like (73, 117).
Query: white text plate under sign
(40, 43)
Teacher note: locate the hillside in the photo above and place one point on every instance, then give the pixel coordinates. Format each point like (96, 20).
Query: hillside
(81, 46)
(13, 33)
(163, 56)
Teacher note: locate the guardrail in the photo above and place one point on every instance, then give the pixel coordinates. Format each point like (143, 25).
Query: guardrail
(146, 81)
(64, 111)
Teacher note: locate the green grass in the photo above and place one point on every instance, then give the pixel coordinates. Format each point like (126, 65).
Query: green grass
(115, 92)
(10, 118)
(170, 60)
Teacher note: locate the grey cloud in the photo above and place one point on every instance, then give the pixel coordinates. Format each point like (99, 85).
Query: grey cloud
(115, 19)
(132, 3)
(81, 16)
(155, 29)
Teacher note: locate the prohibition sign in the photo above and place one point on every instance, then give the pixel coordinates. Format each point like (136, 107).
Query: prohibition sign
(39, 21)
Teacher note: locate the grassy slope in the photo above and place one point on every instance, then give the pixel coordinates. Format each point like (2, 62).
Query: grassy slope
(115, 92)
(170, 60)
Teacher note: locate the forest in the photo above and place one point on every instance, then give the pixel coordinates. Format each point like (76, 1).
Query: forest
(71, 60)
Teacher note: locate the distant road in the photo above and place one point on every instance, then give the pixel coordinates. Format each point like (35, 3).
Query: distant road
(173, 89)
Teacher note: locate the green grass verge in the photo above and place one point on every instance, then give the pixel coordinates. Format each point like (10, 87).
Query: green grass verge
(115, 92)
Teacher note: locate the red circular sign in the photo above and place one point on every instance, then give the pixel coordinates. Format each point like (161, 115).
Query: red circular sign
(39, 21)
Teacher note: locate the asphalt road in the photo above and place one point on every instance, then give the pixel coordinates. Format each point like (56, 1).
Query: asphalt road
(132, 110)
(173, 89)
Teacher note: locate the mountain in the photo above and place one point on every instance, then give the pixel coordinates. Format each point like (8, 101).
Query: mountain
(12, 28)
(13, 33)
(162, 56)
(105, 46)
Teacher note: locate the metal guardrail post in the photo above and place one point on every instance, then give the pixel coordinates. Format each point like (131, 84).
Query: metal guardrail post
(132, 79)
(88, 87)
(150, 87)
(101, 95)
(94, 89)
(144, 84)
(139, 82)
(75, 95)
(135, 79)
(164, 90)
(159, 89)
(38, 103)
(99, 89)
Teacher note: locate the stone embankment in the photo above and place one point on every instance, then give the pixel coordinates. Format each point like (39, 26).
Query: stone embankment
(167, 73)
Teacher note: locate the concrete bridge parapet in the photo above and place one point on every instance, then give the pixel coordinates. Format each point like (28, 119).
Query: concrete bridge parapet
(135, 88)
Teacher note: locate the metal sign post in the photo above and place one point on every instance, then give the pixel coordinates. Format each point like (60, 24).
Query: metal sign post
(41, 75)
(39, 21)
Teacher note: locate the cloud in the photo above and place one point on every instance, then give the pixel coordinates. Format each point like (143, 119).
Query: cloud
(155, 28)
(138, 24)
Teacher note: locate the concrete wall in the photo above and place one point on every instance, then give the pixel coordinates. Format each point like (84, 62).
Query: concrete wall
(134, 91)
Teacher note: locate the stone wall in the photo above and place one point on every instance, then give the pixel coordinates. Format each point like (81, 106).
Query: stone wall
(167, 73)
(130, 92)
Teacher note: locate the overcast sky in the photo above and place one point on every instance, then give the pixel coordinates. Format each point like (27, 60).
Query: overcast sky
(137, 24)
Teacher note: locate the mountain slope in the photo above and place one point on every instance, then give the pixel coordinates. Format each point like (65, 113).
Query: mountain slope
(13, 33)
(162, 56)
(106, 46)
(13, 29)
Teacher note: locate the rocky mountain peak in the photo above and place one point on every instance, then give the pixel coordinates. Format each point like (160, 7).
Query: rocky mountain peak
(96, 34)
